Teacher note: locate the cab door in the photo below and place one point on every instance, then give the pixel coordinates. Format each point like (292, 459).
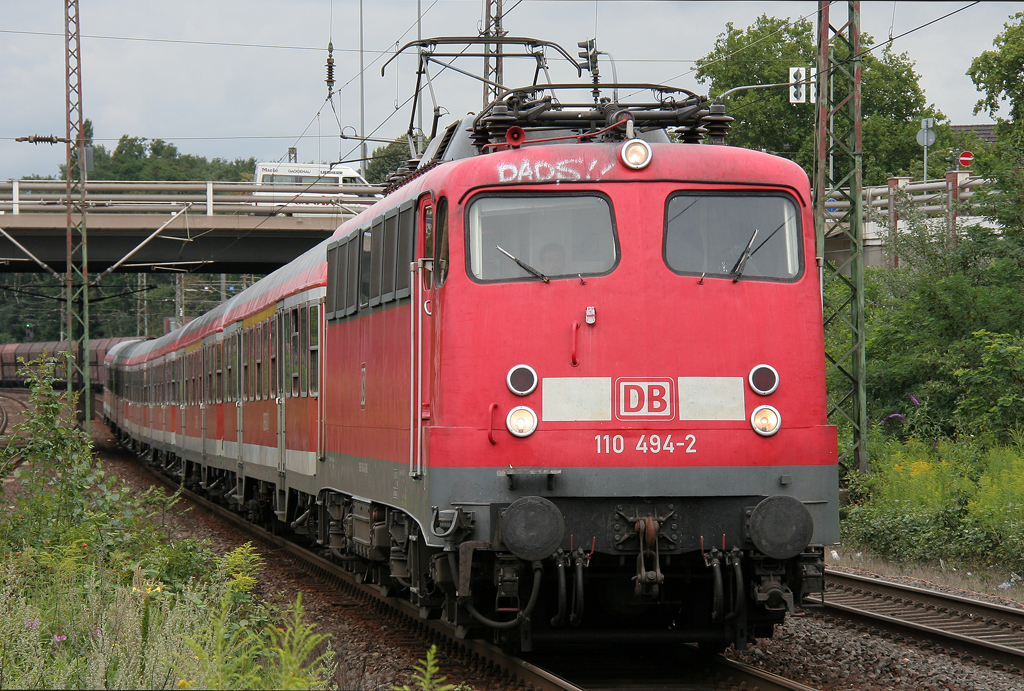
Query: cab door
(421, 316)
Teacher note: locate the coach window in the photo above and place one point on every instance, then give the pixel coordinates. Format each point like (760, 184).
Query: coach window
(303, 350)
(390, 248)
(314, 349)
(293, 353)
(267, 364)
(219, 352)
(364, 268)
(244, 359)
(756, 236)
(272, 348)
(332, 280)
(229, 370)
(254, 345)
(261, 374)
(441, 243)
(376, 261)
(406, 230)
(557, 235)
(210, 376)
(341, 282)
(211, 373)
(352, 275)
(236, 364)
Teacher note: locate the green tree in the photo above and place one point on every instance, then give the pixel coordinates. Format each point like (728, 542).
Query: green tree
(893, 102)
(944, 341)
(386, 160)
(1000, 73)
(138, 158)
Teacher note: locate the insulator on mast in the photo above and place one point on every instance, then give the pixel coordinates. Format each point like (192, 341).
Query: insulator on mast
(330, 68)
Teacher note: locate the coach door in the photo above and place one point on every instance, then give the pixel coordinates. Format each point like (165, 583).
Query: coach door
(421, 326)
(277, 326)
(204, 396)
(244, 388)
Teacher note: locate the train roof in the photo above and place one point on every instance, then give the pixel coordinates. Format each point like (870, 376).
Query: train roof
(307, 271)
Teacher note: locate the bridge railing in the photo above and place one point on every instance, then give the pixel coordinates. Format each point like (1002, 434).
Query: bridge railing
(210, 198)
(931, 197)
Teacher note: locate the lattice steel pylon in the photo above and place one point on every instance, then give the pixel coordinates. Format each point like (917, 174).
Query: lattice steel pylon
(76, 282)
(838, 176)
(493, 71)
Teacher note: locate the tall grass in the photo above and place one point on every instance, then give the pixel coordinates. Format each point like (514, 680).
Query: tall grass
(955, 501)
(95, 596)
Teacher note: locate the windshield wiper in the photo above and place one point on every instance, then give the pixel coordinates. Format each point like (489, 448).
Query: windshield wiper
(523, 265)
(737, 269)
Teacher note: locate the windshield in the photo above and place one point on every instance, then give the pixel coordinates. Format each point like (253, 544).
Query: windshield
(558, 235)
(709, 233)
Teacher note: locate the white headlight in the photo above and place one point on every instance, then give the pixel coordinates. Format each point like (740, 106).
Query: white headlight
(636, 154)
(521, 421)
(766, 420)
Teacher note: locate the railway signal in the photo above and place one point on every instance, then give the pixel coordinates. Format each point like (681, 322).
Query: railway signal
(798, 85)
(588, 55)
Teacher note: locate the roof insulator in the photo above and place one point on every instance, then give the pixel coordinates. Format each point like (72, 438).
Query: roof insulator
(717, 123)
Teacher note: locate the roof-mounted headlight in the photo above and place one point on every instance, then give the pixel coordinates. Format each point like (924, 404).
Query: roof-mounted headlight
(636, 154)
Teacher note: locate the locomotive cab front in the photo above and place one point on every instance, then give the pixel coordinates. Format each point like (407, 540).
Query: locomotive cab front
(628, 390)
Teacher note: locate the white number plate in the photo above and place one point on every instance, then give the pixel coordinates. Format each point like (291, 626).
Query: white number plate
(648, 443)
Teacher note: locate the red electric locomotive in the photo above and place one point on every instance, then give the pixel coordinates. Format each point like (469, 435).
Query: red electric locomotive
(566, 379)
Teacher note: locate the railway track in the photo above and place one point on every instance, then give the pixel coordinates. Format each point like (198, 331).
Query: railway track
(973, 630)
(11, 397)
(589, 668)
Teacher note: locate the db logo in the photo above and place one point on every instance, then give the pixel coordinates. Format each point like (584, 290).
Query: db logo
(645, 399)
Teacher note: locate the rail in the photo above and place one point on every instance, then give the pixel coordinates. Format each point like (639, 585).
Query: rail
(976, 630)
(209, 197)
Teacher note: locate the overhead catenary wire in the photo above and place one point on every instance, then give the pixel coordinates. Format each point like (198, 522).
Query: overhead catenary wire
(143, 39)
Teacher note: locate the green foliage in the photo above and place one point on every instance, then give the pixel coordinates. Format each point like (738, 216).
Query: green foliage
(93, 595)
(762, 54)
(138, 158)
(893, 102)
(1000, 73)
(944, 330)
(991, 379)
(956, 502)
(386, 160)
(426, 675)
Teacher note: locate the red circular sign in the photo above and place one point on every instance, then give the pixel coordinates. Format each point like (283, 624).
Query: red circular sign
(966, 158)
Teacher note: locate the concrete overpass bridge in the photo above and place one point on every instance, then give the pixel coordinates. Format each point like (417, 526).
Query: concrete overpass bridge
(209, 227)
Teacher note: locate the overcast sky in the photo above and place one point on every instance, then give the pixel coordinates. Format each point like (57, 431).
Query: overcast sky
(257, 100)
